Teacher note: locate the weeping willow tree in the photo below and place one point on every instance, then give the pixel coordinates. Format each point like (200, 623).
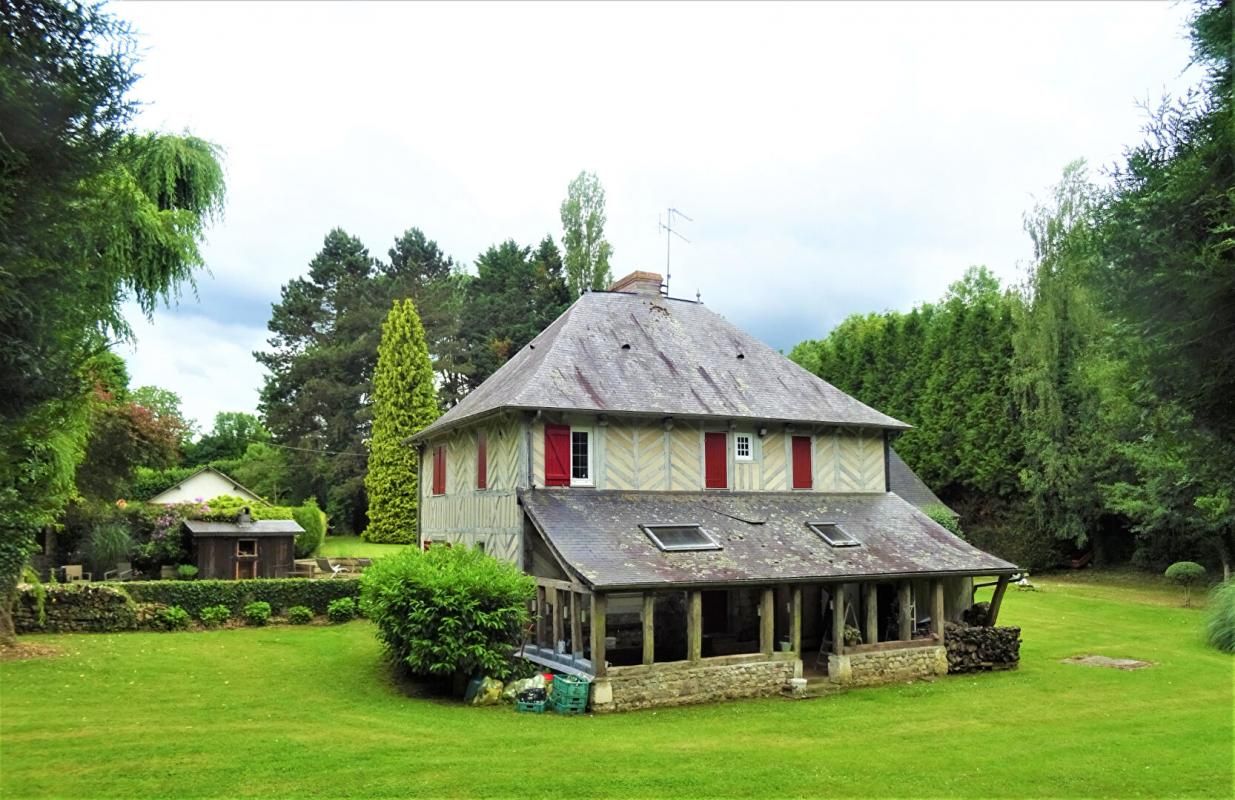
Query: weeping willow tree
(91, 215)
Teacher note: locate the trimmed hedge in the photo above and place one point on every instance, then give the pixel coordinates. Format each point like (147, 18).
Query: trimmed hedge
(280, 593)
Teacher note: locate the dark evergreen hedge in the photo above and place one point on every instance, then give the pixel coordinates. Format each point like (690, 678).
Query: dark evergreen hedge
(280, 593)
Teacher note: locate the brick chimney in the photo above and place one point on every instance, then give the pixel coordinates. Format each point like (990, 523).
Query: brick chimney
(639, 283)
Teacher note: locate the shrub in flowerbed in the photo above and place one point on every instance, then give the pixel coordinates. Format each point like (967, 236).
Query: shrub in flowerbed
(257, 613)
(448, 611)
(280, 593)
(173, 618)
(301, 615)
(214, 616)
(342, 610)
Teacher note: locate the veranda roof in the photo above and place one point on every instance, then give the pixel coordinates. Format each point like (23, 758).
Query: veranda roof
(764, 538)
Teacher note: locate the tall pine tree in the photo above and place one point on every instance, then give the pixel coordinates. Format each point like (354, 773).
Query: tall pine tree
(404, 402)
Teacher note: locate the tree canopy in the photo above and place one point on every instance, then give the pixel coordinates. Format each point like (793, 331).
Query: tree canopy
(583, 235)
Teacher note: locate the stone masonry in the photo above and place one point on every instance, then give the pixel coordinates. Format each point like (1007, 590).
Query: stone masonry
(684, 682)
(888, 666)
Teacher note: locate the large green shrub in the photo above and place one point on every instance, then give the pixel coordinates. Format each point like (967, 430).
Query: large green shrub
(1186, 574)
(281, 593)
(310, 517)
(106, 545)
(1220, 617)
(448, 610)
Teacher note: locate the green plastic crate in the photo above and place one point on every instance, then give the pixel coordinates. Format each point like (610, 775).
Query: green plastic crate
(533, 707)
(570, 694)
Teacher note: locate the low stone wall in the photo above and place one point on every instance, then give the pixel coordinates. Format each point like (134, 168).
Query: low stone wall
(75, 608)
(888, 665)
(681, 683)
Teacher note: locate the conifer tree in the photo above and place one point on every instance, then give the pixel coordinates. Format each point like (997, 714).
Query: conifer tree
(404, 402)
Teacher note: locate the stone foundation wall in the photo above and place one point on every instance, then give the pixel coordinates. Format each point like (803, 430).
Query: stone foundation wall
(75, 607)
(888, 666)
(683, 683)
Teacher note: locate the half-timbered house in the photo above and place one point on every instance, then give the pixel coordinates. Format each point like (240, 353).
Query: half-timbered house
(704, 518)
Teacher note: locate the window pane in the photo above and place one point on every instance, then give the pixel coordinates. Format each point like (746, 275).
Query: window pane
(743, 446)
(681, 537)
(579, 455)
(833, 534)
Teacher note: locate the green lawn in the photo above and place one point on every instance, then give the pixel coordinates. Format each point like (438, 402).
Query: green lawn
(353, 547)
(309, 712)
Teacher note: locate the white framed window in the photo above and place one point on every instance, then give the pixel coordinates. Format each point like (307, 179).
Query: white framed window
(580, 457)
(684, 536)
(743, 447)
(833, 534)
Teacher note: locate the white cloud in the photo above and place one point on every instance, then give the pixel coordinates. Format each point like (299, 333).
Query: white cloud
(837, 158)
(209, 364)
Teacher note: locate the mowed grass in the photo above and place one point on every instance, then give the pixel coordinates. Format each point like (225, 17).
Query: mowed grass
(354, 547)
(310, 712)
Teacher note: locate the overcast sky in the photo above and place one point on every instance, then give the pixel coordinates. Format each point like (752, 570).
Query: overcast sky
(835, 158)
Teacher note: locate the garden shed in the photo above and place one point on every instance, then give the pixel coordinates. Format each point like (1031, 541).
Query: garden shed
(245, 548)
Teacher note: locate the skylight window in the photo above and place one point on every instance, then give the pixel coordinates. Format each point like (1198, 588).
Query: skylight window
(673, 538)
(833, 534)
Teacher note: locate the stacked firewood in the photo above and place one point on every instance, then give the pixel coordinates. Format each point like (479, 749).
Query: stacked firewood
(976, 648)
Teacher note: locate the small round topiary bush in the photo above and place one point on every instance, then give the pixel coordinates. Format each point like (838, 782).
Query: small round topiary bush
(173, 618)
(1220, 618)
(341, 610)
(299, 615)
(214, 616)
(186, 572)
(1186, 574)
(257, 613)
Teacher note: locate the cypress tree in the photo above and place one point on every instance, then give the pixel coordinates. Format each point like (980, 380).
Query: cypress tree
(404, 402)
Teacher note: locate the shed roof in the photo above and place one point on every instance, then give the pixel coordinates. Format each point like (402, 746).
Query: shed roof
(264, 527)
(763, 536)
(905, 482)
(627, 352)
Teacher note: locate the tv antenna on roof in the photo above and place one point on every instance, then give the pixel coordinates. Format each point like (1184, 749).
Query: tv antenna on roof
(667, 227)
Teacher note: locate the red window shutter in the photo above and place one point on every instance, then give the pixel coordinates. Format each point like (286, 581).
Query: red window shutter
(716, 460)
(557, 455)
(801, 463)
(439, 470)
(482, 462)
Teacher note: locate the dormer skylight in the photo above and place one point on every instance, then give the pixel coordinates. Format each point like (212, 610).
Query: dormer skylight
(680, 537)
(833, 534)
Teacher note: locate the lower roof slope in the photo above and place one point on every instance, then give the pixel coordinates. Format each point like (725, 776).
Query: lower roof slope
(763, 536)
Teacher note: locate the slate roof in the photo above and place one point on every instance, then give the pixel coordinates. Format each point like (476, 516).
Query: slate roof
(264, 527)
(764, 535)
(906, 483)
(633, 353)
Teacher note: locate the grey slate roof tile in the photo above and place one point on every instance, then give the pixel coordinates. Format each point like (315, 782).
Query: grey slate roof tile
(620, 352)
(764, 535)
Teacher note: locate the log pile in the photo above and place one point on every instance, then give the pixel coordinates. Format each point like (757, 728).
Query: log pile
(977, 648)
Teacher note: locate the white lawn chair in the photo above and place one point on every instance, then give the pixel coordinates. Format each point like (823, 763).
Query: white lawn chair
(334, 570)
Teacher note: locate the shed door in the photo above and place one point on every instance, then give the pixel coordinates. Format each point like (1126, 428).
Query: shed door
(715, 460)
(557, 455)
(801, 462)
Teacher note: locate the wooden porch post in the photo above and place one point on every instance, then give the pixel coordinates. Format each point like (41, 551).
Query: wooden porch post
(576, 627)
(872, 613)
(694, 625)
(540, 615)
(838, 619)
(937, 608)
(997, 600)
(649, 627)
(555, 597)
(904, 595)
(795, 621)
(599, 609)
(767, 621)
